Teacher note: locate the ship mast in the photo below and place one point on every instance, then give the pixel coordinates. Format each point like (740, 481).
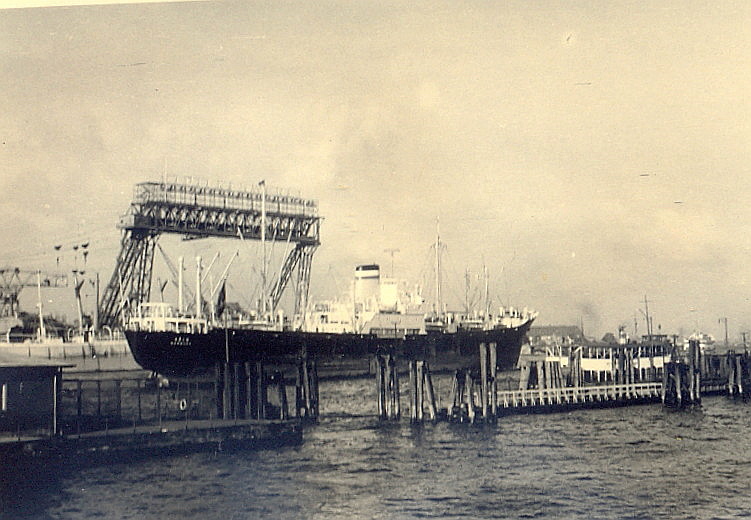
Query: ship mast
(42, 332)
(438, 303)
(262, 184)
(199, 302)
(487, 292)
(466, 291)
(180, 303)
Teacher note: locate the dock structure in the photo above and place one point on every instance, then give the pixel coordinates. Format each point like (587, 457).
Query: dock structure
(27, 458)
(681, 383)
(611, 377)
(468, 401)
(387, 387)
(96, 418)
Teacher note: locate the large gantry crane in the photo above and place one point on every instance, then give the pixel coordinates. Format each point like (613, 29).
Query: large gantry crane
(200, 211)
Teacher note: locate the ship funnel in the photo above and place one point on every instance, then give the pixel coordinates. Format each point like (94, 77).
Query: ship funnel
(367, 284)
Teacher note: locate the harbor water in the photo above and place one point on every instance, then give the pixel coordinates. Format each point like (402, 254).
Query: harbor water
(639, 462)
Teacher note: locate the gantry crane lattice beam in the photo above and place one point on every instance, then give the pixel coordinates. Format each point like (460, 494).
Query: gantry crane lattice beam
(198, 211)
(13, 280)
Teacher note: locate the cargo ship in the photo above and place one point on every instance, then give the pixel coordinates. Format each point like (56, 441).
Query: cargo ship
(171, 343)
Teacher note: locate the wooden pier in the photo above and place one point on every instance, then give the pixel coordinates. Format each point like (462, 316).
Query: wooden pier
(103, 419)
(611, 378)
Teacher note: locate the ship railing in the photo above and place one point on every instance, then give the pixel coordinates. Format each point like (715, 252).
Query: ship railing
(581, 394)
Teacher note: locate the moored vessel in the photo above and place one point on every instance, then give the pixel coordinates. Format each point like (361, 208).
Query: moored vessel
(375, 320)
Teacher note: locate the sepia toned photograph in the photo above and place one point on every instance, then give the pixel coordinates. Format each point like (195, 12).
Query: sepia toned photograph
(375, 260)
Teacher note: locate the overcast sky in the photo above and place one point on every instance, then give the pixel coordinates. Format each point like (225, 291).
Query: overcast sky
(588, 152)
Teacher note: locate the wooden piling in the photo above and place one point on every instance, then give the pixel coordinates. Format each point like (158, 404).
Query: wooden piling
(250, 391)
(470, 396)
(395, 397)
(314, 386)
(540, 379)
(484, 387)
(380, 366)
(739, 374)
(158, 400)
(218, 389)
(260, 393)
(452, 408)
(412, 391)
(227, 392)
(493, 355)
(431, 393)
(282, 393)
(420, 379)
(236, 383)
(138, 396)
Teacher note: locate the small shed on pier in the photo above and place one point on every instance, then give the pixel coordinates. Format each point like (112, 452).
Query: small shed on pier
(29, 393)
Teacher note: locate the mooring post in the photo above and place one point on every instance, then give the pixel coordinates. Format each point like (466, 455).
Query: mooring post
(282, 394)
(697, 373)
(299, 399)
(412, 365)
(451, 403)
(314, 388)
(665, 380)
(560, 384)
(138, 395)
(420, 380)
(159, 401)
(380, 386)
(484, 380)
(306, 386)
(692, 371)
(524, 374)
(396, 411)
(540, 380)
(739, 374)
(227, 393)
(218, 389)
(235, 391)
(431, 393)
(493, 351)
(260, 391)
(389, 387)
(469, 390)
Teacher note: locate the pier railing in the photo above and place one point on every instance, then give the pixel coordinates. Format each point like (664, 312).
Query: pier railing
(574, 395)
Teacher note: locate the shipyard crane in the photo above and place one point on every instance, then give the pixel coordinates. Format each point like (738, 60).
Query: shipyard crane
(196, 210)
(13, 280)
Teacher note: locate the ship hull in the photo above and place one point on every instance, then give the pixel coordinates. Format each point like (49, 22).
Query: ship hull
(184, 354)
